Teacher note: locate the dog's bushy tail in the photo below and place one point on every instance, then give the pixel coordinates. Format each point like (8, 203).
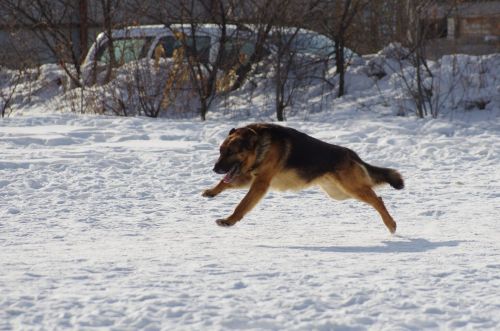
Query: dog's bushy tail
(385, 175)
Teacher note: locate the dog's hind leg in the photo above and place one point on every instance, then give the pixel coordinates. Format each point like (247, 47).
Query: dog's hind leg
(367, 195)
(355, 182)
(332, 187)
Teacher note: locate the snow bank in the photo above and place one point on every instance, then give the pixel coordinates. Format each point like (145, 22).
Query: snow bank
(466, 83)
(32, 88)
(385, 82)
(456, 83)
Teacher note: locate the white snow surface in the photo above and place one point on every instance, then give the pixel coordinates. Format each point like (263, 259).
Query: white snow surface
(103, 226)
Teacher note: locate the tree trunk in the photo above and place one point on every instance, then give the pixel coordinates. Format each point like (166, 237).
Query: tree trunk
(203, 109)
(340, 65)
(108, 26)
(84, 29)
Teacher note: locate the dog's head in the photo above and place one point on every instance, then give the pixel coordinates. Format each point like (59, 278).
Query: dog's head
(237, 153)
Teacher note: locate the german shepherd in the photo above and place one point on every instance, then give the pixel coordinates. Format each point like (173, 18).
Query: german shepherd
(263, 156)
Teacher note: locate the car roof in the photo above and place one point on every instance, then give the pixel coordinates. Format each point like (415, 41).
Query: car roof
(209, 28)
(162, 29)
(139, 31)
(147, 30)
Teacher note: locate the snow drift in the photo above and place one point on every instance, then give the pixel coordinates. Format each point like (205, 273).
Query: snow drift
(455, 84)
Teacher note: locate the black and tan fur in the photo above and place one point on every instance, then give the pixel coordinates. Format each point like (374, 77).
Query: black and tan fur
(264, 156)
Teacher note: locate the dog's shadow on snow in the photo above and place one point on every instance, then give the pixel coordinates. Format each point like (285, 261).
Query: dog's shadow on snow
(407, 245)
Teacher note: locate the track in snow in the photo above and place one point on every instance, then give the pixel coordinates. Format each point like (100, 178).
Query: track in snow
(103, 225)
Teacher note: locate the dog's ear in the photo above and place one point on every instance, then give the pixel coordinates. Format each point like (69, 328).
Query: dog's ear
(251, 138)
(232, 131)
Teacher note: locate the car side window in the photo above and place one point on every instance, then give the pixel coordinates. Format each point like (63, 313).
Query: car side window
(202, 50)
(237, 51)
(125, 50)
(168, 43)
(202, 43)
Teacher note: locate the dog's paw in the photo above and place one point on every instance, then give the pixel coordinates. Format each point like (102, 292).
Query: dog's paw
(392, 227)
(224, 223)
(208, 193)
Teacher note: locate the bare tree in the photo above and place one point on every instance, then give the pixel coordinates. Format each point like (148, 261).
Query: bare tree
(418, 32)
(279, 24)
(108, 7)
(337, 21)
(263, 15)
(8, 92)
(286, 69)
(379, 23)
(51, 23)
(204, 65)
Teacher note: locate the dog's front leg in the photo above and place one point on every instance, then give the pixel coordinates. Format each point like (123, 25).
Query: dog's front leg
(257, 191)
(212, 192)
(240, 181)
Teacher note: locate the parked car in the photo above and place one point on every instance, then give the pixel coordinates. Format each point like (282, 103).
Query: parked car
(306, 42)
(138, 42)
(203, 40)
(146, 76)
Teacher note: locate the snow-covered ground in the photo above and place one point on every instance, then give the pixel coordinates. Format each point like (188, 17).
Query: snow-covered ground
(102, 226)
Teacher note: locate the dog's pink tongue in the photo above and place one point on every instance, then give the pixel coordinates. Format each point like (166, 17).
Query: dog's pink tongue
(228, 177)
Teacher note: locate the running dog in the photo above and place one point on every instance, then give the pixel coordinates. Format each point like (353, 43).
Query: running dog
(264, 156)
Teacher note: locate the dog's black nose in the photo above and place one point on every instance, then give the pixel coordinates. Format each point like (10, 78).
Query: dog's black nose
(218, 170)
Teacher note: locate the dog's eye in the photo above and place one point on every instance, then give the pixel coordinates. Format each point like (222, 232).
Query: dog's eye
(226, 152)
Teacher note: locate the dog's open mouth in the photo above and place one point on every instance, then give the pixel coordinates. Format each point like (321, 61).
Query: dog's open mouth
(229, 177)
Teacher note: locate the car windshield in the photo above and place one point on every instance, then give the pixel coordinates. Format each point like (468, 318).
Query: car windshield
(125, 50)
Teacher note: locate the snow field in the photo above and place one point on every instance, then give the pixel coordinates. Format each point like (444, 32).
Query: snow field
(103, 227)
